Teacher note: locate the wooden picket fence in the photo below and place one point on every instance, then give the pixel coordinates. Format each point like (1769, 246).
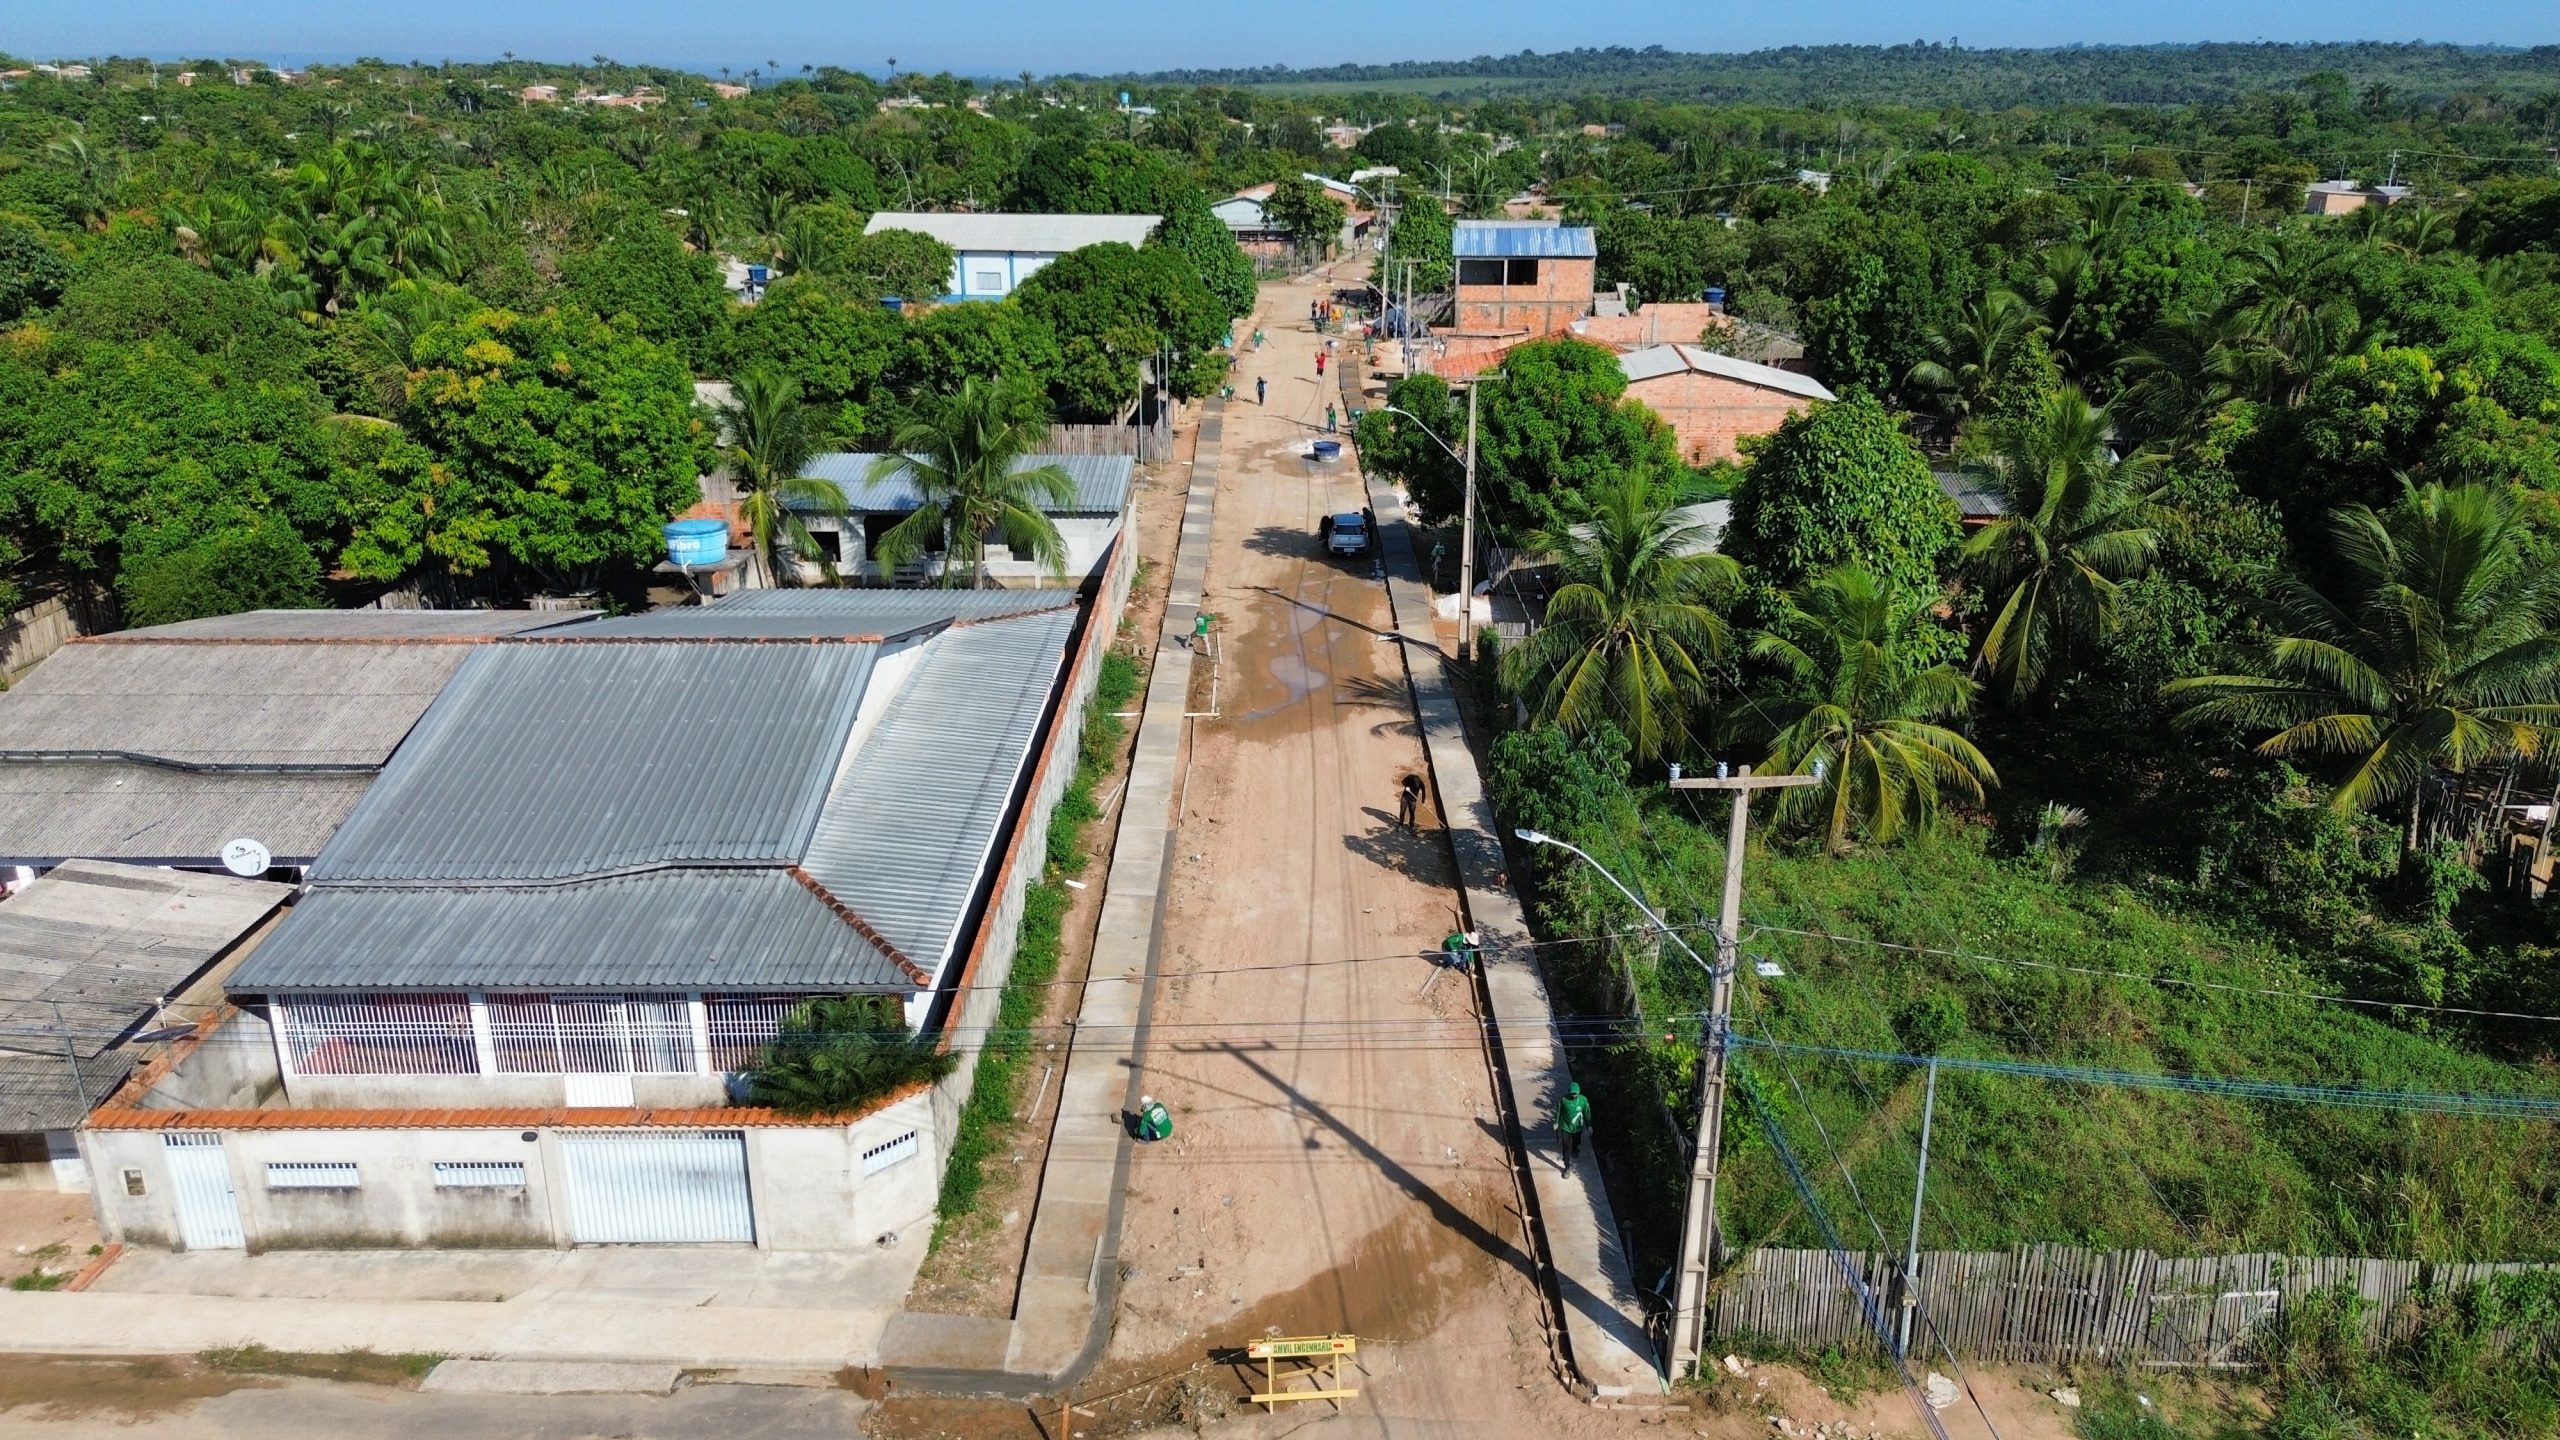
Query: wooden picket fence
(1112, 439)
(2054, 1304)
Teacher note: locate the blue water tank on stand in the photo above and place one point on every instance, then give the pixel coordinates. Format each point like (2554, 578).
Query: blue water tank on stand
(697, 542)
(1715, 296)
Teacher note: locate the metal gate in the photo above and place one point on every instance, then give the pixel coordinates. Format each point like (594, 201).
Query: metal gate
(657, 1187)
(200, 1182)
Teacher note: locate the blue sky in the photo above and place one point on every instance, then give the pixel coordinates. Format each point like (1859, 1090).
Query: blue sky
(1001, 37)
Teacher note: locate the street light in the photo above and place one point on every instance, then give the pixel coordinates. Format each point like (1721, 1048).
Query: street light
(1467, 519)
(1540, 837)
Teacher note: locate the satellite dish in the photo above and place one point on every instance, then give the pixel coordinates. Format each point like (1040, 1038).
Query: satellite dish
(246, 857)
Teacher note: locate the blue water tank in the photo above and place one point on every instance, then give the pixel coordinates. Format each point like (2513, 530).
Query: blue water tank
(758, 274)
(697, 542)
(1328, 449)
(1715, 295)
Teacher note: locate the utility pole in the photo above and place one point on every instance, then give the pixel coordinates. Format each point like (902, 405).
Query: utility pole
(1467, 539)
(1919, 1189)
(1699, 1237)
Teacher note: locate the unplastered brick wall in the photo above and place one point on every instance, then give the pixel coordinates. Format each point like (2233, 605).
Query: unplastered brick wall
(1710, 413)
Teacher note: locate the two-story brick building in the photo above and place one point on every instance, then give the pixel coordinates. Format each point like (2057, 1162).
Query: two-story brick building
(1522, 279)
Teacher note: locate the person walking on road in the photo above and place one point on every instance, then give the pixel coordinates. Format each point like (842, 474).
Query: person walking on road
(1408, 800)
(1261, 389)
(1319, 364)
(1199, 631)
(1332, 424)
(1573, 1117)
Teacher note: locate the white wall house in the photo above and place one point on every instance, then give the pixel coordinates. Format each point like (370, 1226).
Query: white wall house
(1089, 520)
(999, 252)
(514, 1004)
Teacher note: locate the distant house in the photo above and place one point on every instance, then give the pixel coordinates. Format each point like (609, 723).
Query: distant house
(998, 252)
(730, 92)
(1711, 401)
(1522, 278)
(1343, 137)
(186, 78)
(2343, 197)
(539, 94)
(1246, 214)
(1088, 520)
(515, 1002)
(161, 745)
(1817, 181)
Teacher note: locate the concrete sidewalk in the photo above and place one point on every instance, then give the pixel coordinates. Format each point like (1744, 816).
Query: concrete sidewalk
(1603, 1313)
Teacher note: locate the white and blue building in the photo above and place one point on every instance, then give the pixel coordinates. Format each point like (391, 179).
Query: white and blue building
(999, 252)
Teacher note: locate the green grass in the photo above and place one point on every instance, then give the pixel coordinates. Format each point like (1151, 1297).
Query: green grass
(987, 1120)
(2018, 1159)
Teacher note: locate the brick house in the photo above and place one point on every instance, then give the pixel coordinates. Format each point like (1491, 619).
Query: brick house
(1521, 279)
(1711, 401)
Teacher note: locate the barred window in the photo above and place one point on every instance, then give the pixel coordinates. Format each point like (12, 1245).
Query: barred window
(425, 1034)
(742, 1026)
(311, 1175)
(880, 1157)
(479, 1174)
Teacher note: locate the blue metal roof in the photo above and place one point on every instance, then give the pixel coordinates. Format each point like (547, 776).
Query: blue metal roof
(1479, 239)
(1101, 482)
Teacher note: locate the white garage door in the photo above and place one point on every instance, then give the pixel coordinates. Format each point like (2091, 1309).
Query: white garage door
(658, 1187)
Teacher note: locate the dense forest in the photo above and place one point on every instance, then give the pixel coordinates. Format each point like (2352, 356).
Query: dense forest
(1922, 73)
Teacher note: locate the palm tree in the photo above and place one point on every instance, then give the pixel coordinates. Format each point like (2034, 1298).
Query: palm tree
(1852, 706)
(2431, 649)
(967, 457)
(771, 436)
(1969, 358)
(2076, 522)
(1631, 629)
(2182, 375)
(2287, 300)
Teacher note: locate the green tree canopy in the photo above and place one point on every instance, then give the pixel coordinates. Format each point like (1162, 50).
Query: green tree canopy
(1112, 308)
(906, 263)
(840, 347)
(644, 277)
(1192, 231)
(1840, 482)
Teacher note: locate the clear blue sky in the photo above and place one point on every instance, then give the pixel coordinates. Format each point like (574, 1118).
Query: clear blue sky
(1001, 37)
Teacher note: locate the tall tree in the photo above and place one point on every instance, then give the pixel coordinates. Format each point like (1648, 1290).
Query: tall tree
(2077, 522)
(1837, 482)
(2429, 648)
(968, 458)
(1856, 702)
(1630, 632)
(1977, 358)
(769, 436)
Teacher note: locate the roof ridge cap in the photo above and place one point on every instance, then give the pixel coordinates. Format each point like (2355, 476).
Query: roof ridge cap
(862, 927)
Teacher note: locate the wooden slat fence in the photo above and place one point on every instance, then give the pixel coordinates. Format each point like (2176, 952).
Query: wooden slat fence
(1111, 439)
(2055, 1304)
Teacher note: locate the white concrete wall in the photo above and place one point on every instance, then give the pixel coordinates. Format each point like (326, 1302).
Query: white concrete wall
(1088, 540)
(465, 1092)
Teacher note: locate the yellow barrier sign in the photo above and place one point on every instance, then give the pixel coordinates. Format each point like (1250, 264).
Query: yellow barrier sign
(1321, 1354)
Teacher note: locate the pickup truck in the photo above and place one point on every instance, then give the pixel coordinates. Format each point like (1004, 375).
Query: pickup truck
(1346, 533)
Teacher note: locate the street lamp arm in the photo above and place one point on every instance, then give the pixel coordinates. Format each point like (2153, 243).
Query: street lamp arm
(1425, 429)
(1540, 837)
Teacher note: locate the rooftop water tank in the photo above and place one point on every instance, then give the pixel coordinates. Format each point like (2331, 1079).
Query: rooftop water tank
(697, 542)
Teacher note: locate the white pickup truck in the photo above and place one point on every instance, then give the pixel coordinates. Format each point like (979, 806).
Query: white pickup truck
(1346, 533)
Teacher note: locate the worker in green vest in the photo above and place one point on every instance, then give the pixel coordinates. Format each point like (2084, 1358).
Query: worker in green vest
(1573, 1116)
(1154, 1121)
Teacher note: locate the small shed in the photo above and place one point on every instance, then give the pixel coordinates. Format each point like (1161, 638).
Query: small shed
(92, 954)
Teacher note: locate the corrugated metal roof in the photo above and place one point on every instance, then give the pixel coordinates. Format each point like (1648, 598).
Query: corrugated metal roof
(106, 943)
(149, 814)
(795, 614)
(1024, 234)
(330, 625)
(1479, 239)
(1974, 497)
(1654, 361)
(210, 703)
(546, 762)
(911, 826)
(668, 929)
(1101, 481)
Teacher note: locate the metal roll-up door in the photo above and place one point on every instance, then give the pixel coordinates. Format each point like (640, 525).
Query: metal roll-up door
(200, 1182)
(658, 1187)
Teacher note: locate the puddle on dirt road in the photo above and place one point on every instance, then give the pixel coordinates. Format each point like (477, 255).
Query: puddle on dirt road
(52, 1388)
(1290, 668)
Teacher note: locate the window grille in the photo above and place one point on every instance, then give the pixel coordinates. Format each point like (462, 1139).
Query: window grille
(311, 1175)
(479, 1174)
(591, 1034)
(742, 1026)
(379, 1034)
(880, 1157)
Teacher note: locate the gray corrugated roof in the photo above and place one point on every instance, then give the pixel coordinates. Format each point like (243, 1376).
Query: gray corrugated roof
(913, 822)
(106, 943)
(1477, 239)
(149, 814)
(1974, 497)
(671, 929)
(1027, 234)
(1654, 361)
(1101, 482)
(280, 705)
(553, 761)
(428, 625)
(801, 614)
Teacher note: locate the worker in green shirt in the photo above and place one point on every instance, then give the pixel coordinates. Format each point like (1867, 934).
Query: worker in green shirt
(1154, 1121)
(1573, 1116)
(1199, 629)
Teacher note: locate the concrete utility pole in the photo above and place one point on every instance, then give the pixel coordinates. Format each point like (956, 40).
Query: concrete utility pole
(1467, 541)
(1699, 1240)
(1919, 1192)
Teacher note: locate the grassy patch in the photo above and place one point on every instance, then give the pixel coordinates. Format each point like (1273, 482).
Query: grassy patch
(358, 1367)
(987, 1120)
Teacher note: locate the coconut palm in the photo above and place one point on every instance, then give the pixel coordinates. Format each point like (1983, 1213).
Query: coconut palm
(1970, 357)
(2288, 300)
(1851, 704)
(2182, 375)
(1632, 627)
(770, 434)
(968, 457)
(2430, 649)
(2077, 522)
